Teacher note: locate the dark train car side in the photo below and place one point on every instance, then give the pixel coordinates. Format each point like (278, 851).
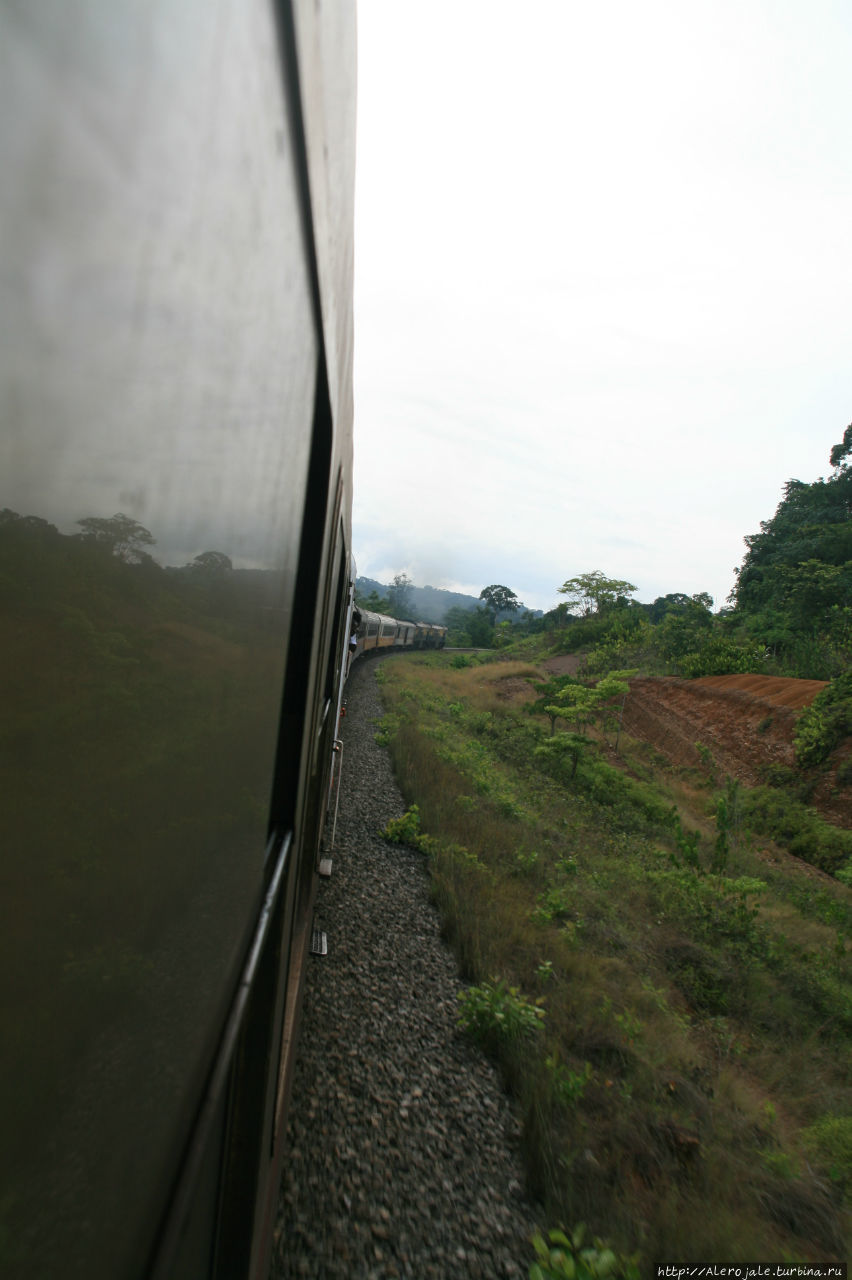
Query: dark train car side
(175, 485)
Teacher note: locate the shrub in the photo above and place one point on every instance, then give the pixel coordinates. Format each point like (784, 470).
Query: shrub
(721, 656)
(404, 830)
(494, 1013)
(565, 1258)
(825, 723)
(831, 1140)
(388, 727)
(778, 815)
(568, 1086)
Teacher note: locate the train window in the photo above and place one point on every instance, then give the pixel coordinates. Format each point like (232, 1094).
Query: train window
(372, 628)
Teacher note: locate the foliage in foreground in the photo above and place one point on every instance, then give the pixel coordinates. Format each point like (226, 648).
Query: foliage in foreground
(563, 1257)
(494, 1014)
(695, 1046)
(825, 723)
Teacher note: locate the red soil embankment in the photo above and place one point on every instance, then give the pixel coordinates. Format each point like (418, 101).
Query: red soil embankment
(745, 722)
(728, 715)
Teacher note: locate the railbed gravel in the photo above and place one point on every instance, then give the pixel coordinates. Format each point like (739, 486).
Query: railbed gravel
(402, 1153)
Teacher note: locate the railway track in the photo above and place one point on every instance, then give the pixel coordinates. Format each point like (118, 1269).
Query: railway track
(402, 1146)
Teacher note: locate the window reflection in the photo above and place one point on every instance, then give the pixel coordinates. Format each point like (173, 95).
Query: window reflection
(137, 740)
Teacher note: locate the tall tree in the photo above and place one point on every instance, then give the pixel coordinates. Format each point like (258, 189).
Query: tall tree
(794, 588)
(399, 596)
(456, 620)
(480, 628)
(841, 451)
(595, 593)
(212, 563)
(813, 523)
(498, 599)
(373, 603)
(123, 536)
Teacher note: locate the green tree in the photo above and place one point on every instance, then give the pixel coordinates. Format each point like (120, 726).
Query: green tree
(480, 628)
(373, 603)
(595, 593)
(214, 564)
(841, 451)
(549, 691)
(456, 621)
(399, 596)
(576, 703)
(795, 583)
(685, 626)
(679, 604)
(581, 705)
(499, 600)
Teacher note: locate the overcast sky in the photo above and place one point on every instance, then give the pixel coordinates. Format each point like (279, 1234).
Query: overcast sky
(603, 284)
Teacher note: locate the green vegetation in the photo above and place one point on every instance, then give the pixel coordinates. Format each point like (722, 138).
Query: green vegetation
(791, 608)
(825, 723)
(499, 599)
(667, 998)
(563, 1257)
(794, 587)
(495, 1014)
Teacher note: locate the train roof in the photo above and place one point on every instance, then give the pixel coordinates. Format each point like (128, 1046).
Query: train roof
(368, 616)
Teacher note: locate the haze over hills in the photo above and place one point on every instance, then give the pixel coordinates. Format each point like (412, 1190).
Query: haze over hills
(428, 604)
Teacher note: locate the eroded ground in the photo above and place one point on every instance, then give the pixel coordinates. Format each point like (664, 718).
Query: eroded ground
(745, 722)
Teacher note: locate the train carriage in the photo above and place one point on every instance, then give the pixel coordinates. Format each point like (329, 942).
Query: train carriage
(377, 631)
(175, 543)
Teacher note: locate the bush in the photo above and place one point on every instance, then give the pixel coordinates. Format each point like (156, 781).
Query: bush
(494, 1013)
(722, 657)
(404, 830)
(564, 1258)
(825, 723)
(831, 1140)
(778, 815)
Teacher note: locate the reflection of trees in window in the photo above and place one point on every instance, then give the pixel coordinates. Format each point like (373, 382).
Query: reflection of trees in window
(214, 564)
(122, 536)
(140, 715)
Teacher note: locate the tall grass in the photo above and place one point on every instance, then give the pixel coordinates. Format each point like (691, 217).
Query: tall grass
(687, 1089)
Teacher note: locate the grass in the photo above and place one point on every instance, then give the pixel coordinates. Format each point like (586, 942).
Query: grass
(686, 1093)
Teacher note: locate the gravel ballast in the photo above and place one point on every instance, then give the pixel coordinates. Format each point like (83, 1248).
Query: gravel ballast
(402, 1148)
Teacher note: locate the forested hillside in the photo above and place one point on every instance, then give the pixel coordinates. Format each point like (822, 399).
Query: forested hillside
(794, 587)
(790, 612)
(402, 598)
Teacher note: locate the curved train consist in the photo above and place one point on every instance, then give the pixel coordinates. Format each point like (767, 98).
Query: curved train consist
(175, 542)
(376, 631)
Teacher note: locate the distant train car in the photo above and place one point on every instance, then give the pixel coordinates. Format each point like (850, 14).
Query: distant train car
(376, 631)
(175, 542)
(430, 636)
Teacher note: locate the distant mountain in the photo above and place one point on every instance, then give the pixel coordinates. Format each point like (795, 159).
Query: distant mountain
(428, 604)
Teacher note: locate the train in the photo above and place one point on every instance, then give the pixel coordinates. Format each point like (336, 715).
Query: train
(374, 631)
(175, 550)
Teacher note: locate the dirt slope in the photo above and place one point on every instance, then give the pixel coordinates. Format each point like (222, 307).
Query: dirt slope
(745, 722)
